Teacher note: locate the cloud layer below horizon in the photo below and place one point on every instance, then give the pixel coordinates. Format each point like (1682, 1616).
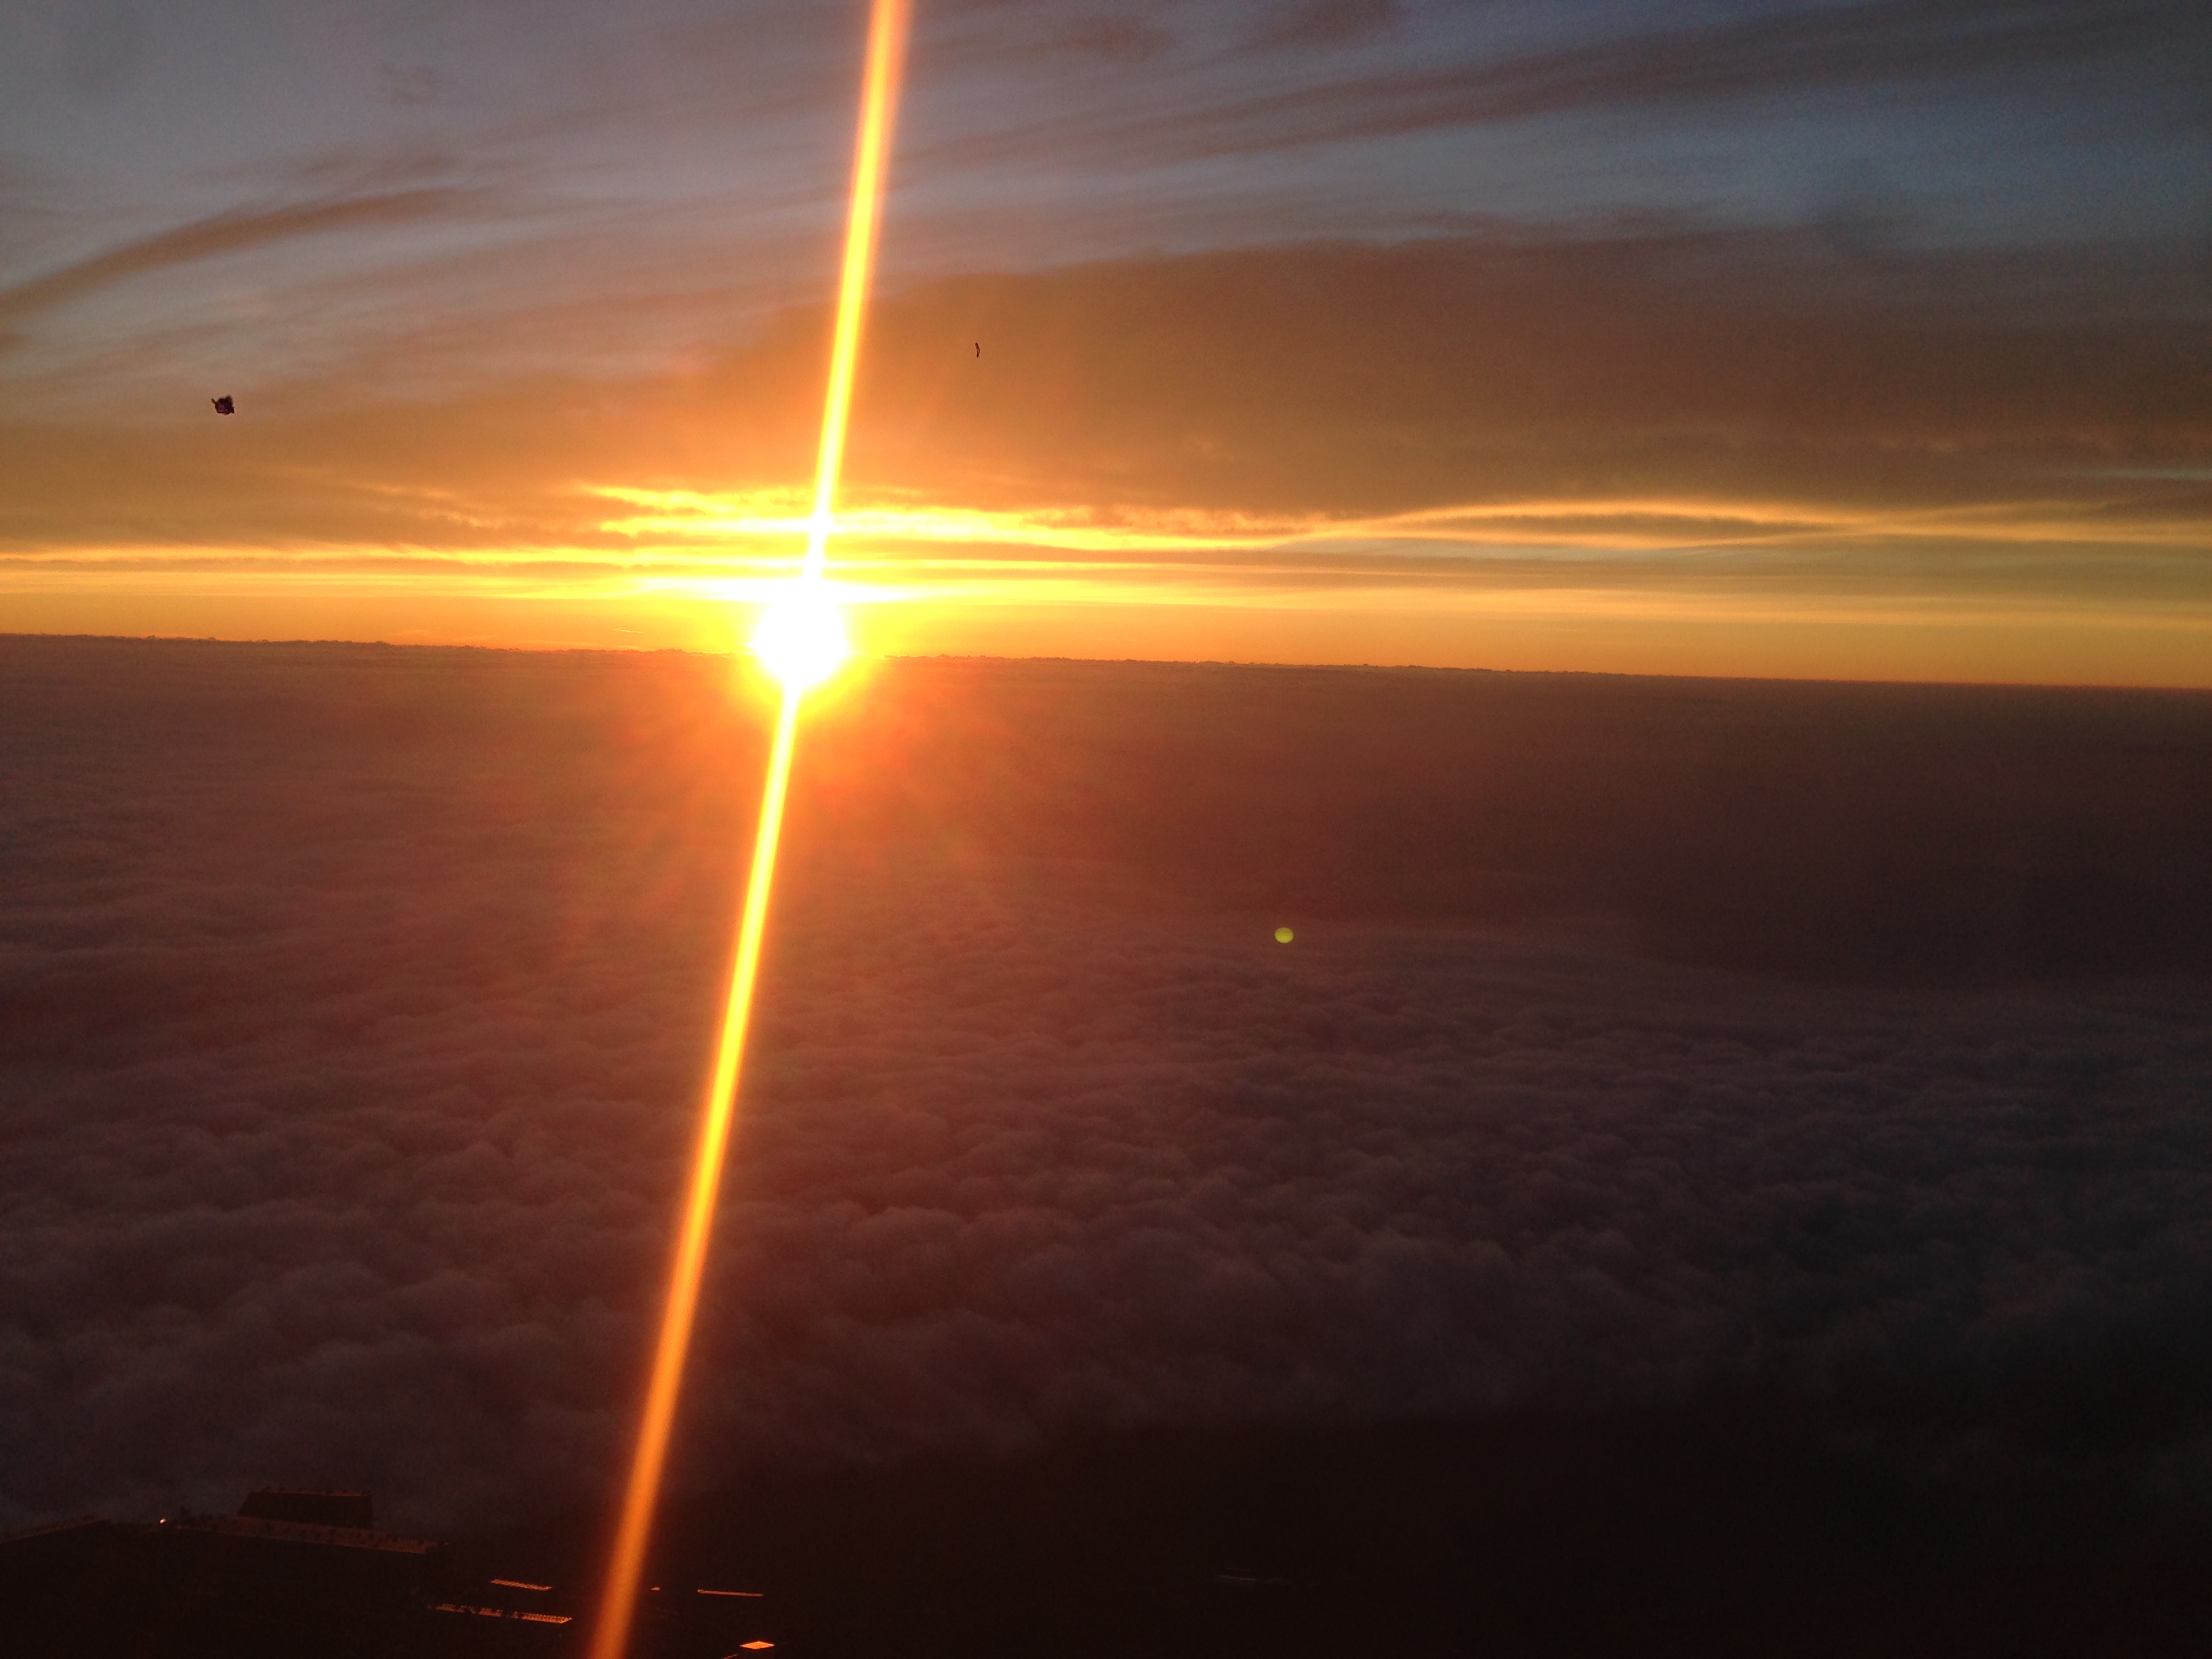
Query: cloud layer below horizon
(357, 1001)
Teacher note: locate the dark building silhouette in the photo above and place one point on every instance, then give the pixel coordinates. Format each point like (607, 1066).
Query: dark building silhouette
(293, 1572)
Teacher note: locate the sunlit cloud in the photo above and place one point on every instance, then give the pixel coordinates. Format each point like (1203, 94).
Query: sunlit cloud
(773, 513)
(1589, 525)
(1679, 429)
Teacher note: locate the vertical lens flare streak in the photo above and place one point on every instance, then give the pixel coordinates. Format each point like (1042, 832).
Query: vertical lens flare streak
(887, 32)
(618, 1604)
(887, 26)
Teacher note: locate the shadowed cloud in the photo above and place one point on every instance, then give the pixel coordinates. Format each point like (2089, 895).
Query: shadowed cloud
(1329, 22)
(1763, 56)
(1717, 371)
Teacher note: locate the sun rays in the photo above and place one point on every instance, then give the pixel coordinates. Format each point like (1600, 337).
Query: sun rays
(801, 640)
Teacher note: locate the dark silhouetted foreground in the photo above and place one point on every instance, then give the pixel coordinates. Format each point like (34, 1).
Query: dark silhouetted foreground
(1720, 1531)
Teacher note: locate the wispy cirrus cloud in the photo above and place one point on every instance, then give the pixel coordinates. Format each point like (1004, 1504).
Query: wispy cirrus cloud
(239, 230)
(1770, 56)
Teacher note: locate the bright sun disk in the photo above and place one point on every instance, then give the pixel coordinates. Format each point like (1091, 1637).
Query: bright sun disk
(801, 638)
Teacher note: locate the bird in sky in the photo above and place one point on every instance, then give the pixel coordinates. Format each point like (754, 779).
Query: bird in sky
(223, 405)
(979, 348)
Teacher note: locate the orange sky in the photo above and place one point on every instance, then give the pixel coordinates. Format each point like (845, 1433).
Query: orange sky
(1613, 411)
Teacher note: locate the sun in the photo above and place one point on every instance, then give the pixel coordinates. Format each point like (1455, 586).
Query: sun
(801, 638)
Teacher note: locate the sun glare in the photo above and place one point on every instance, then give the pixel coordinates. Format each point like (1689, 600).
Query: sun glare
(800, 637)
(800, 640)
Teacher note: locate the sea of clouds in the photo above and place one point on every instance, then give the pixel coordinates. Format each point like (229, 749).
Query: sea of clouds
(355, 1015)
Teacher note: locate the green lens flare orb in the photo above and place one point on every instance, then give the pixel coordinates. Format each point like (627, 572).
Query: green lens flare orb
(1284, 936)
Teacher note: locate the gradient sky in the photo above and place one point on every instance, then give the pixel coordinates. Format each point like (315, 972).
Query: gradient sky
(1865, 339)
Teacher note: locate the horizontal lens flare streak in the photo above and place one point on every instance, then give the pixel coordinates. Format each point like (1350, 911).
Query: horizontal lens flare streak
(801, 642)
